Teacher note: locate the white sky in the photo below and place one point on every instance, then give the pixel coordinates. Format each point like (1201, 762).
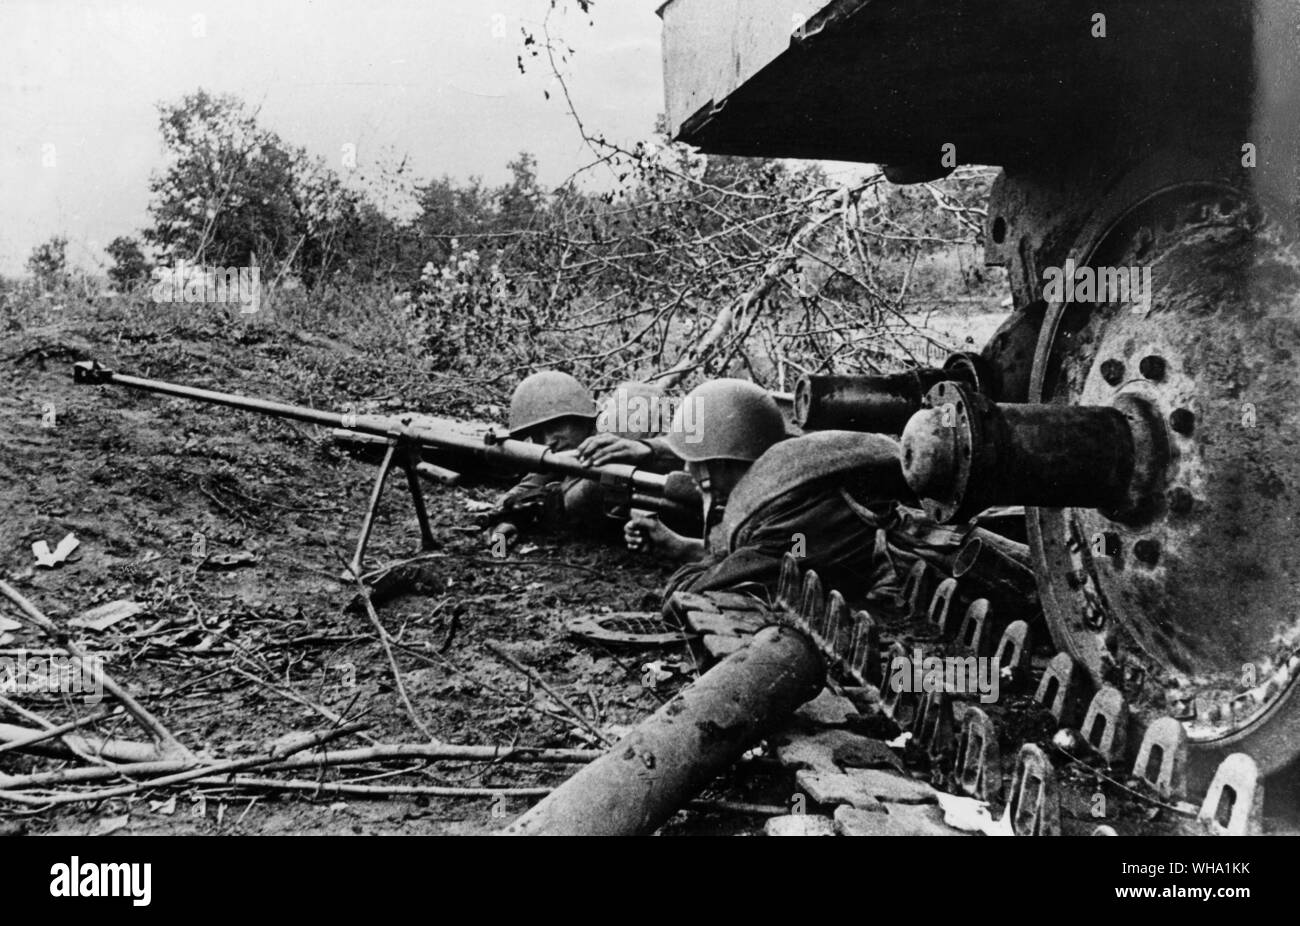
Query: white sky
(435, 79)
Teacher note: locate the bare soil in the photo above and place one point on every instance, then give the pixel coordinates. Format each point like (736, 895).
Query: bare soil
(151, 486)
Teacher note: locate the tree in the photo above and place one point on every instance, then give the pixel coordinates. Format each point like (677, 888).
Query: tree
(130, 266)
(450, 211)
(520, 200)
(234, 189)
(48, 262)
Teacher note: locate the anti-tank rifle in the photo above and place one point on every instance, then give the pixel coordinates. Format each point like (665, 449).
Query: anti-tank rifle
(405, 436)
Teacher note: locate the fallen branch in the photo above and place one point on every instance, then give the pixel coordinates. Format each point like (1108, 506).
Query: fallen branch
(34, 737)
(276, 754)
(343, 787)
(339, 787)
(167, 743)
(501, 654)
(417, 751)
(364, 594)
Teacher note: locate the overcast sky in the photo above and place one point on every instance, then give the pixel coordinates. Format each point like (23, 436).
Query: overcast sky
(435, 79)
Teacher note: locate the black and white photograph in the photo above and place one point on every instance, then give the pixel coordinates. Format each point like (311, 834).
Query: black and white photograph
(626, 417)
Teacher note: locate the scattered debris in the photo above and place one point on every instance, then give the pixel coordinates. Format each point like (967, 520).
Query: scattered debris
(230, 560)
(901, 741)
(106, 615)
(106, 825)
(631, 629)
(972, 816)
(49, 559)
(802, 824)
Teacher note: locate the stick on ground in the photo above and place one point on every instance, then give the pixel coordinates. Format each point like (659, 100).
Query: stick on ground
(364, 593)
(161, 735)
(501, 654)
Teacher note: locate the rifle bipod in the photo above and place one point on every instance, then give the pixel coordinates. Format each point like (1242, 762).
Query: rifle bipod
(409, 460)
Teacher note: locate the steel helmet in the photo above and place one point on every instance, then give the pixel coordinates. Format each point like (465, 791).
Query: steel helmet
(633, 410)
(546, 396)
(726, 419)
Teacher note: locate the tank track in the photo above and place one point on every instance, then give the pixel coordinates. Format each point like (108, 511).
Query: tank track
(1048, 756)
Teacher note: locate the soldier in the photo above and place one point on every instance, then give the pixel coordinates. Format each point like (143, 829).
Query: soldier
(554, 409)
(823, 497)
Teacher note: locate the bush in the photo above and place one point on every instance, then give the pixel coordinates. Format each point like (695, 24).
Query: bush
(130, 266)
(49, 261)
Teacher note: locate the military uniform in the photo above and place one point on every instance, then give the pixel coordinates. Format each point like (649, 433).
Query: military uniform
(826, 498)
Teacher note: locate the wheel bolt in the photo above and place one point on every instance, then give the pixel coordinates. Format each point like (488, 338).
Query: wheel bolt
(1112, 371)
(1182, 420)
(1153, 368)
(1180, 500)
(1147, 552)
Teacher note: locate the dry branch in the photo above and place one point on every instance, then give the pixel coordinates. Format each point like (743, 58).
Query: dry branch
(342, 787)
(500, 653)
(787, 260)
(364, 594)
(189, 774)
(167, 743)
(382, 753)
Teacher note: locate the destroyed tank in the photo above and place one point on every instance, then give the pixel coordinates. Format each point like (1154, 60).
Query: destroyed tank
(1151, 435)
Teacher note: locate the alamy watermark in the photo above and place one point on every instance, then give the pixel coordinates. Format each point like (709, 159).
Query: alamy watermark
(30, 673)
(629, 413)
(199, 283)
(75, 878)
(1073, 283)
(921, 674)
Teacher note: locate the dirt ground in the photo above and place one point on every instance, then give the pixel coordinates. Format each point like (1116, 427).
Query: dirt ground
(151, 486)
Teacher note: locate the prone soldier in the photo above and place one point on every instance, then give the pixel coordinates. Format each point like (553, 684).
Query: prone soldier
(554, 409)
(827, 497)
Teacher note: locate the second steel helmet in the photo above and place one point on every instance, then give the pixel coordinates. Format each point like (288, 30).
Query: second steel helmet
(726, 419)
(546, 396)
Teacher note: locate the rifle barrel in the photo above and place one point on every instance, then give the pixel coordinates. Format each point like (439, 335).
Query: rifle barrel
(231, 400)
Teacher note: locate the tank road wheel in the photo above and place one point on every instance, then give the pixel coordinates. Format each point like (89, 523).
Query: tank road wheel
(1189, 600)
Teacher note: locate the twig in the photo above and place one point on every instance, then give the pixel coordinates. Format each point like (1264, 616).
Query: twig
(374, 574)
(319, 760)
(85, 749)
(288, 694)
(91, 748)
(161, 735)
(501, 654)
(190, 774)
(364, 594)
(51, 732)
(758, 810)
(447, 663)
(333, 787)
(1189, 811)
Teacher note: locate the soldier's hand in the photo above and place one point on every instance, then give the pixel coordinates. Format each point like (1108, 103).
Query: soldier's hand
(647, 534)
(502, 537)
(600, 449)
